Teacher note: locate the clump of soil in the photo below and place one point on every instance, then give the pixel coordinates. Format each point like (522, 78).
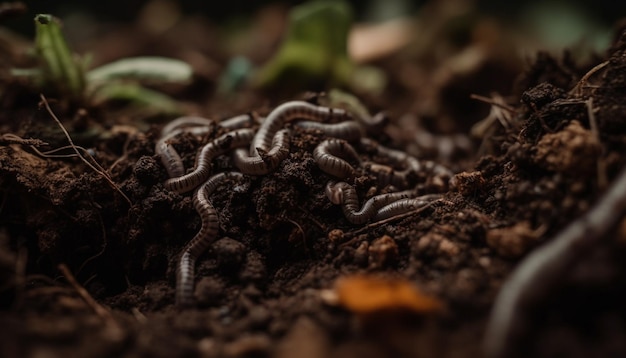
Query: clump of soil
(260, 288)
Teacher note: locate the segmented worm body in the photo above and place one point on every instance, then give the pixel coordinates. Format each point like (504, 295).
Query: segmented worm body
(331, 156)
(400, 178)
(236, 122)
(543, 271)
(404, 206)
(217, 146)
(185, 122)
(200, 243)
(264, 162)
(347, 130)
(344, 194)
(289, 111)
(373, 124)
(260, 151)
(169, 156)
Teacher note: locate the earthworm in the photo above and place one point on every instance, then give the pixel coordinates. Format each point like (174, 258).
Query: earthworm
(345, 195)
(348, 130)
(185, 122)
(169, 156)
(404, 206)
(376, 120)
(236, 122)
(264, 162)
(542, 270)
(387, 175)
(201, 241)
(211, 150)
(330, 156)
(290, 111)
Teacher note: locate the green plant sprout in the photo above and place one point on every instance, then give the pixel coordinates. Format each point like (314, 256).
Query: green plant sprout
(59, 67)
(314, 54)
(315, 48)
(63, 72)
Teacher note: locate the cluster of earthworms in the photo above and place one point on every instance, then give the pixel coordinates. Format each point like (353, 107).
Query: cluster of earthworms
(261, 151)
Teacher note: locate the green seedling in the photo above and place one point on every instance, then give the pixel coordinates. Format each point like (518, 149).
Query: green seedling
(123, 80)
(63, 72)
(315, 48)
(59, 68)
(149, 69)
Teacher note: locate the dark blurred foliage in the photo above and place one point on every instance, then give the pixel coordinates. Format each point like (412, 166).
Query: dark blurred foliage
(604, 11)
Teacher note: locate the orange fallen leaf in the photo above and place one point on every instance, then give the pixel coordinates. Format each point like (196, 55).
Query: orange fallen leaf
(364, 294)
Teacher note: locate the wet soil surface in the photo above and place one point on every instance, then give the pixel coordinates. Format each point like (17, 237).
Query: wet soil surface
(263, 288)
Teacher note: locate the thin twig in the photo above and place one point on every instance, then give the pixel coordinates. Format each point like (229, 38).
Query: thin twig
(391, 219)
(124, 155)
(104, 245)
(542, 270)
(577, 90)
(593, 124)
(69, 138)
(10, 138)
(313, 219)
(301, 232)
(493, 102)
(82, 292)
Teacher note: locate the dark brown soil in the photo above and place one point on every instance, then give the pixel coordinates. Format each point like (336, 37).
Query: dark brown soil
(261, 288)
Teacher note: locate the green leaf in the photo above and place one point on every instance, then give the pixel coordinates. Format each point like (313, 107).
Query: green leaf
(315, 49)
(60, 69)
(152, 69)
(135, 94)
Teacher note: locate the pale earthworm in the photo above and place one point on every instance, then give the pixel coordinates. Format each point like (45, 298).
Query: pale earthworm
(402, 206)
(331, 154)
(372, 123)
(263, 163)
(185, 122)
(347, 130)
(169, 156)
(541, 271)
(236, 122)
(201, 172)
(202, 240)
(387, 175)
(290, 111)
(376, 121)
(344, 194)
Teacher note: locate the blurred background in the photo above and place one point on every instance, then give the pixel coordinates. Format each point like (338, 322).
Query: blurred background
(556, 21)
(419, 59)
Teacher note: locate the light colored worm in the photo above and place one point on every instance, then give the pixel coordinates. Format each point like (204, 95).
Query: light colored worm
(330, 156)
(289, 111)
(347, 130)
(169, 156)
(404, 206)
(185, 272)
(376, 121)
(540, 273)
(344, 194)
(399, 178)
(236, 122)
(185, 122)
(201, 172)
(264, 162)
